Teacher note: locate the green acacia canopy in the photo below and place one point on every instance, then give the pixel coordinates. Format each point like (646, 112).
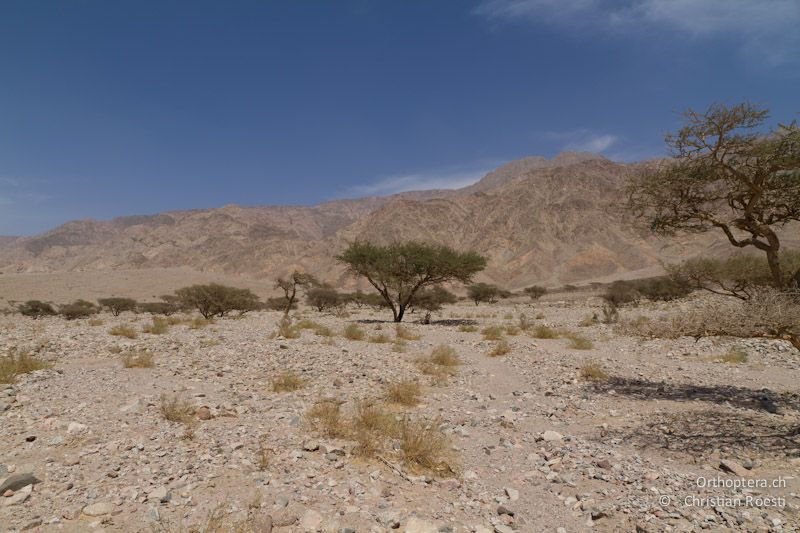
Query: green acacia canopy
(399, 270)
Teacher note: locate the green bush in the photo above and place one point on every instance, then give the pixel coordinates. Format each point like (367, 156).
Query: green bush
(217, 300)
(77, 309)
(322, 298)
(36, 309)
(535, 292)
(117, 305)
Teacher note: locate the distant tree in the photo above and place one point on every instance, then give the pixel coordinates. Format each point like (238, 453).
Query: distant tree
(36, 309)
(117, 305)
(217, 300)
(278, 303)
(483, 292)
(535, 292)
(399, 270)
(432, 300)
(78, 309)
(322, 298)
(729, 176)
(291, 284)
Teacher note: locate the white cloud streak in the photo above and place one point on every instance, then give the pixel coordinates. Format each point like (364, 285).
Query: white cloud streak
(419, 182)
(583, 140)
(767, 29)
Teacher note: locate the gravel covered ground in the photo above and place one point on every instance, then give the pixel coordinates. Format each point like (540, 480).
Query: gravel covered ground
(534, 446)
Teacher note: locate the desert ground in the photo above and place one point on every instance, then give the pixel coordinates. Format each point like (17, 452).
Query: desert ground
(598, 432)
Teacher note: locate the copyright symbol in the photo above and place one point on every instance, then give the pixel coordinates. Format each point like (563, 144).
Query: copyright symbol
(664, 500)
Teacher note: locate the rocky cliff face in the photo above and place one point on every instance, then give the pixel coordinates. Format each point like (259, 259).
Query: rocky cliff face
(538, 220)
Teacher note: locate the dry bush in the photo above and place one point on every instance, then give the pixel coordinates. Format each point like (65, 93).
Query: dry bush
(466, 328)
(158, 327)
(115, 349)
(200, 323)
(501, 348)
(399, 346)
(524, 323)
(263, 457)
(95, 322)
(512, 330)
(326, 418)
(444, 355)
(733, 356)
(380, 338)
(370, 416)
(16, 363)
(543, 332)
(123, 331)
(176, 409)
(588, 321)
(306, 324)
(508, 316)
(768, 313)
(138, 360)
(404, 393)
(324, 331)
(592, 371)
(287, 382)
(425, 449)
(353, 332)
(492, 333)
(401, 332)
(577, 342)
(286, 329)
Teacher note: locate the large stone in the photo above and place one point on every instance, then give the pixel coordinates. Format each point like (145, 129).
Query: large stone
(160, 494)
(551, 436)
(311, 520)
(17, 481)
(99, 509)
(76, 428)
(733, 467)
(416, 525)
(19, 497)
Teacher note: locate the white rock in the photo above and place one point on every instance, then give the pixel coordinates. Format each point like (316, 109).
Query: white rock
(551, 435)
(310, 521)
(415, 525)
(76, 428)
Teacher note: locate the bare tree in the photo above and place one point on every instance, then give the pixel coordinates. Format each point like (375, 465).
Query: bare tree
(726, 174)
(291, 284)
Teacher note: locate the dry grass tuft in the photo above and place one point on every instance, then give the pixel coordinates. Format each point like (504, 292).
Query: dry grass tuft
(592, 371)
(444, 355)
(158, 327)
(14, 364)
(287, 382)
(138, 360)
(399, 346)
(123, 331)
(263, 457)
(402, 332)
(306, 324)
(501, 348)
(577, 342)
(286, 329)
(353, 332)
(324, 331)
(492, 333)
(466, 328)
(176, 409)
(543, 332)
(734, 356)
(95, 322)
(326, 418)
(404, 393)
(200, 323)
(380, 338)
(424, 448)
(512, 330)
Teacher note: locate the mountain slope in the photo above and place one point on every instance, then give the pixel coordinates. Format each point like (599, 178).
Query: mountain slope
(538, 221)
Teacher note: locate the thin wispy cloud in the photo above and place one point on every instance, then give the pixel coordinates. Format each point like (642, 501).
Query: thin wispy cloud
(422, 181)
(583, 140)
(766, 29)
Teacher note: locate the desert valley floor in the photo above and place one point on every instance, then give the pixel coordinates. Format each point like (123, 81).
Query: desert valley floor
(533, 444)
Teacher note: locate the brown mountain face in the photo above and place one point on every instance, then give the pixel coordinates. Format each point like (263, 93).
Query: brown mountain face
(539, 221)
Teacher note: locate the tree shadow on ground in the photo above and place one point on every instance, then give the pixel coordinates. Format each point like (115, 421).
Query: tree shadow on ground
(741, 397)
(701, 431)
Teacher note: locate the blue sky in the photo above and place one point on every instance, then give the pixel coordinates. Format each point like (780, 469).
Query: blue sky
(130, 107)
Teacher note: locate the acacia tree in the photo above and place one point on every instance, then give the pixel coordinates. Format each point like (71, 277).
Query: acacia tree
(399, 270)
(726, 174)
(483, 292)
(291, 284)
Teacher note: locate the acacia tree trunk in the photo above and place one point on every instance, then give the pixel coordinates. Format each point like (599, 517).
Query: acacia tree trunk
(775, 268)
(398, 315)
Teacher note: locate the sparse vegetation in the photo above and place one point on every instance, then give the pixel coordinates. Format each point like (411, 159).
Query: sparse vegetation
(733, 356)
(123, 331)
(576, 341)
(404, 393)
(78, 309)
(483, 292)
(138, 360)
(399, 270)
(159, 326)
(353, 332)
(401, 332)
(17, 362)
(176, 408)
(286, 329)
(287, 382)
(592, 371)
(543, 332)
(493, 333)
(36, 309)
(467, 328)
(501, 348)
(444, 355)
(116, 306)
(217, 300)
(535, 292)
(199, 323)
(380, 338)
(326, 418)
(291, 284)
(323, 298)
(424, 448)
